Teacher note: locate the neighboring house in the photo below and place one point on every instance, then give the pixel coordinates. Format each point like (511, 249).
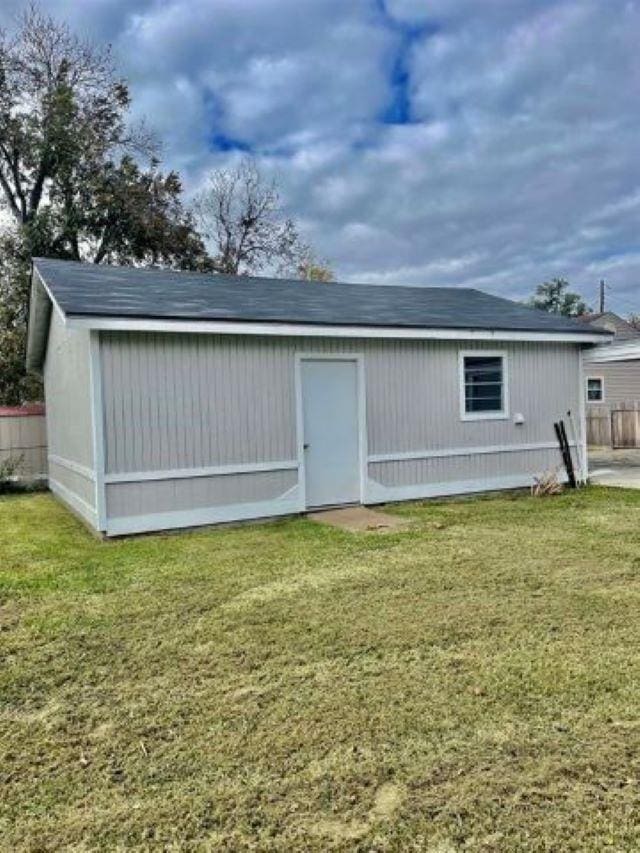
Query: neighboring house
(612, 377)
(177, 399)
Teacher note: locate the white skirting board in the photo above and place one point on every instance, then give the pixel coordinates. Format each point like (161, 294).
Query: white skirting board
(287, 504)
(378, 494)
(75, 503)
(290, 504)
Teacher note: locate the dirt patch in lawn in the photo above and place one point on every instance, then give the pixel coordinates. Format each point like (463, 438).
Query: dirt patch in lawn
(360, 519)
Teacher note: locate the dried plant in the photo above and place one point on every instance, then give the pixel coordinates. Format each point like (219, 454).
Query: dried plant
(546, 484)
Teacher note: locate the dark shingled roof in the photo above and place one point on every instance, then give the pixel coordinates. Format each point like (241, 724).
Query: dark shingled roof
(103, 291)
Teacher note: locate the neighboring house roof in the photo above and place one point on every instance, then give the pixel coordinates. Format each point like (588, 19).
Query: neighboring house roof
(622, 329)
(126, 293)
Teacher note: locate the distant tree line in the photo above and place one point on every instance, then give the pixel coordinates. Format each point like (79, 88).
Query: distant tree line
(82, 183)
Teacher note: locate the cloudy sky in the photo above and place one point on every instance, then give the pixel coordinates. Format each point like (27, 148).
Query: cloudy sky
(492, 143)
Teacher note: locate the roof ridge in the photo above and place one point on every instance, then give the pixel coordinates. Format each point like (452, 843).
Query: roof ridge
(259, 278)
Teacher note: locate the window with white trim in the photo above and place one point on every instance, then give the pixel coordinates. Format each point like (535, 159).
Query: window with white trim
(595, 389)
(483, 385)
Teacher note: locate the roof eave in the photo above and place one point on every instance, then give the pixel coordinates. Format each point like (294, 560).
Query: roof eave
(629, 351)
(278, 329)
(40, 304)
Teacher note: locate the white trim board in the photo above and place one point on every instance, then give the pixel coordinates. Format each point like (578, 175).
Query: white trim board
(211, 471)
(226, 327)
(293, 464)
(70, 465)
(501, 415)
(77, 504)
(463, 451)
(97, 426)
(46, 289)
(582, 407)
(378, 493)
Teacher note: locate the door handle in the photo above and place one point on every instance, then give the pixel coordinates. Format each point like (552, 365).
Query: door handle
(306, 446)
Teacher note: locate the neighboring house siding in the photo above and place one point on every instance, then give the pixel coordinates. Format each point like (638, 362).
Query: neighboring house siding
(621, 385)
(174, 403)
(69, 426)
(621, 382)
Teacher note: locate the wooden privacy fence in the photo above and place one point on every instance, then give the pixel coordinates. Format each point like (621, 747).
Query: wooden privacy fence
(599, 428)
(23, 435)
(625, 425)
(617, 428)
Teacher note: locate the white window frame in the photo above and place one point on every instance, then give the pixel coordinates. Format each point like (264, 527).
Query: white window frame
(586, 390)
(501, 415)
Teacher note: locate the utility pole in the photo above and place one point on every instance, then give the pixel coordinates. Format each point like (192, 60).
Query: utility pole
(602, 287)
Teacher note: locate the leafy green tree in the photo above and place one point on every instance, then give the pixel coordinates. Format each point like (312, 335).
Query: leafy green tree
(71, 176)
(15, 384)
(61, 103)
(555, 297)
(118, 212)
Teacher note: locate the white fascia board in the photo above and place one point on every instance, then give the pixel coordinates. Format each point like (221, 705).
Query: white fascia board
(47, 290)
(222, 327)
(613, 352)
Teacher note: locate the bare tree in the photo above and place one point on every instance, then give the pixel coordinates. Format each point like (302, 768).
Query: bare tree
(239, 212)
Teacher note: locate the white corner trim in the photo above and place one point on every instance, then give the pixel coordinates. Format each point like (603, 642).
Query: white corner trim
(378, 493)
(287, 504)
(97, 426)
(225, 327)
(210, 471)
(583, 454)
(70, 465)
(501, 415)
(462, 451)
(75, 502)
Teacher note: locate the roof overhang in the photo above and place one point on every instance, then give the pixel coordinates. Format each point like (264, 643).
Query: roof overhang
(42, 302)
(614, 352)
(227, 327)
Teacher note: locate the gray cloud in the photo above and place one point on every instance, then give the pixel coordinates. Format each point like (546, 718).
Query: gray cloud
(513, 156)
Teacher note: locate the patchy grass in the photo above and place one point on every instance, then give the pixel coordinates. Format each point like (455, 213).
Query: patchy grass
(470, 684)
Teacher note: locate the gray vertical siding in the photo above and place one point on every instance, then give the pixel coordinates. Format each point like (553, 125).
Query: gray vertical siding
(69, 418)
(178, 405)
(185, 401)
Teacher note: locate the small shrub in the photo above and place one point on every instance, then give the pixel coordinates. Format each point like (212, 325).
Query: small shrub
(8, 472)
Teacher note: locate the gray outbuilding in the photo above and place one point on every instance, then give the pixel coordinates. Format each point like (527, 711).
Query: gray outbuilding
(178, 399)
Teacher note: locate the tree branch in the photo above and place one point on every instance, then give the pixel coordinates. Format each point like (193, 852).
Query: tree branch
(11, 200)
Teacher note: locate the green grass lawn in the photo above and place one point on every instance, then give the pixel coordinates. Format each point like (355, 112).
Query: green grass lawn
(471, 684)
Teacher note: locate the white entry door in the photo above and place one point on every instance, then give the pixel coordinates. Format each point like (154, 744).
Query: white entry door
(330, 431)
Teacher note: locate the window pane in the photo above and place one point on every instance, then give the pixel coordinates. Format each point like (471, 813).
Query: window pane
(486, 389)
(488, 404)
(594, 390)
(483, 383)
